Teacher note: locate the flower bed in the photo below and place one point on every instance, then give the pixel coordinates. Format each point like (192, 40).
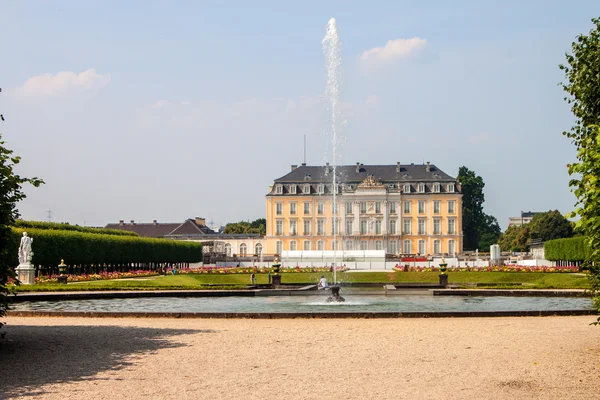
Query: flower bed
(96, 277)
(255, 270)
(505, 268)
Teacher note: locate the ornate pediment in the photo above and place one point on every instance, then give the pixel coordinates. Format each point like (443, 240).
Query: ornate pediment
(371, 183)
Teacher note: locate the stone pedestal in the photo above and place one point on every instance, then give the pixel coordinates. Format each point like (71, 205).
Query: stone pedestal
(26, 273)
(276, 280)
(444, 280)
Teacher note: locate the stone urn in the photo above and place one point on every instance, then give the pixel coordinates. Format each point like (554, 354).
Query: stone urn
(443, 275)
(62, 269)
(276, 276)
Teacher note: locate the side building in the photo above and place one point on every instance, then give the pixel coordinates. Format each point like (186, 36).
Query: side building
(402, 209)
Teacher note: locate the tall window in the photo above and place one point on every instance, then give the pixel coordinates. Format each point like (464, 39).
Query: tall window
(437, 226)
(306, 207)
(364, 245)
(279, 247)
(334, 245)
(334, 208)
(348, 227)
(422, 227)
(228, 249)
(293, 227)
(293, 208)
(279, 227)
(348, 207)
(306, 189)
(279, 189)
(451, 247)
(422, 247)
(321, 245)
(437, 246)
(378, 207)
(293, 189)
(451, 226)
(243, 249)
(307, 227)
(451, 206)
(363, 207)
(392, 227)
(393, 207)
(320, 227)
(378, 228)
(421, 188)
(258, 249)
(349, 245)
(293, 245)
(450, 187)
(436, 207)
(436, 187)
(407, 207)
(321, 189)
(406, 188)
(320, 208)
(392, 249)
(363, 227)
(421, 207)
(306, 245)
(407, 247)
(378, 245)
(279, 208)
(407, 226)
(335, 226)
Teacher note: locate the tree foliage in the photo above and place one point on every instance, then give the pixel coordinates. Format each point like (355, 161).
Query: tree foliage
(582, 73)
(258, 226)
(570, 249)
(515, 238)
(550, 225)
(68, 227)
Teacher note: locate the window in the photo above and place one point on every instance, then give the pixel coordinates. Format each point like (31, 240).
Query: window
(363, 227)
(293, 208)
(421, 188)
(451, 226)
(227, 249)
(321, 189)
(363, 207)
(406, 188)
(334, 244)
(436, 207)
(335, 226)
(306, 208)
(279, 247)
(422, 247)
(451, 247)
(348, 207)
(421, 207)
(258, 249)
(437, 226)
(293, 245)
(364, 245)
(378, 207)
(437, 246)
(306, 228)
(378, 228)
(320, 227)
(279, 189)
(293, 189)
(306, 189)
(279, 208)
(407, 207)
(422, 227)
(243, 249)
(393, 207)
(378, 245)
(306, 245)
(293, 228)
(407, 226)
(392, 227)
(392, 249)
(320, 208)
(407, 247)
(349, 245)
(348, 227)
(436, 188)
(334, 208)
(450, 187)
(451, 207)
(321, 245)
(279, 227)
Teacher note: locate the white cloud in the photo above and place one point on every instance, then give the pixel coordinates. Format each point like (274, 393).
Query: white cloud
(393, 50)
(63, 82)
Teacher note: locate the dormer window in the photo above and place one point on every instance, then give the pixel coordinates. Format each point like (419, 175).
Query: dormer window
(421, 188)
(321, 189)
(279, 189)
(293, 189)
(436, 187)
(306, 189)
(406, 188)
(451, 188)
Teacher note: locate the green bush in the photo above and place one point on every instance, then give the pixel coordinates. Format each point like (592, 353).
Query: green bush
(68, 227)
(570, 249)
(82, 248)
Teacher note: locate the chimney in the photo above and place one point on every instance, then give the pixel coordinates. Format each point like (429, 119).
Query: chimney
(326, 169)
(132, 222)
(357, 167)
(428, 167)
(200, 221)
(398, 166)
(294, 167)
(154, 222)
(121, 222)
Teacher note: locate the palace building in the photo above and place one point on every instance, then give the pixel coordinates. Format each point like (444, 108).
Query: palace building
(402, 209)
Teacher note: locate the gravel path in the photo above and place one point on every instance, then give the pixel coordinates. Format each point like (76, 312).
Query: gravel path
(445, 358)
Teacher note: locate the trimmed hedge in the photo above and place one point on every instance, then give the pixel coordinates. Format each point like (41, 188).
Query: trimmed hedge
(81, 248)
(569, 249)
(66, 227)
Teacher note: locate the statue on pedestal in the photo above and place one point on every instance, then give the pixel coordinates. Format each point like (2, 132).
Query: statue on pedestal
(25, 252)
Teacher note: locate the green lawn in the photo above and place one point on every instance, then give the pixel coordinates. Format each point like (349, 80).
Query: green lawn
(238, 281)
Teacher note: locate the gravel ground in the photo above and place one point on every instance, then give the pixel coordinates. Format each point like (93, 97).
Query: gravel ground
(445, 358)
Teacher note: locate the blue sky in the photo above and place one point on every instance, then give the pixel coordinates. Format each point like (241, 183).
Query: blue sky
(167, 110)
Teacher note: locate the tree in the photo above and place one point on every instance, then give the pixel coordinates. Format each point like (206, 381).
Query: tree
(582, 73)
(243, 227)
(550, 225)
(490, 233)
(515, 238)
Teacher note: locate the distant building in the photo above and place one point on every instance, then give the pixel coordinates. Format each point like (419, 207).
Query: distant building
(189, 229)
(525, 218)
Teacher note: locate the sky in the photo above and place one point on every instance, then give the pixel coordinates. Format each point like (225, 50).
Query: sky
(162, 110)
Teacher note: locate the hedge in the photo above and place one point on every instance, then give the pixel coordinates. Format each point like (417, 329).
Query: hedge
(80, 248)
(67, 227)
(570, 249)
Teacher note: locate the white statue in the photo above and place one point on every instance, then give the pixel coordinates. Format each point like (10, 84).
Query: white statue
(25, 253)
